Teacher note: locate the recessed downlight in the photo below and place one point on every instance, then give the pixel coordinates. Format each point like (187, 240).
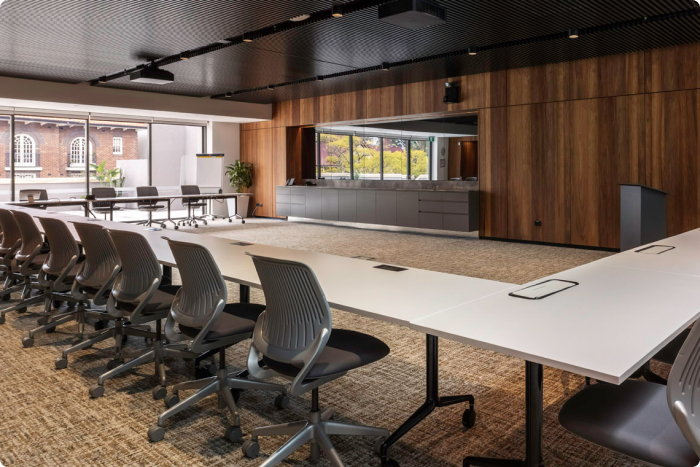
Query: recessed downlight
(247, 38)
(472, 51)
(296, 19)
(337, 11)
(573, 34)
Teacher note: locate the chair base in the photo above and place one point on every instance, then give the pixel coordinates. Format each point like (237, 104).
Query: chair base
(315, 431)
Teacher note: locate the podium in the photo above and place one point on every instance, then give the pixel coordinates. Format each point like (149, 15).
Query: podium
(642, 215)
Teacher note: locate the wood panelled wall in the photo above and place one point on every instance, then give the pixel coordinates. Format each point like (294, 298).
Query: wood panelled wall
(554, 141)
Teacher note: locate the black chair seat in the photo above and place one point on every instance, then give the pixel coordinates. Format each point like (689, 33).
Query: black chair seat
(237, 318)
(669, 353)
(633, 419)
(161, 301)
(345, 351)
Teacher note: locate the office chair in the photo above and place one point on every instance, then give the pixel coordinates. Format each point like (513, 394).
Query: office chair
(192, 204)
(10, 244)
(104, 206)
(294, 339)
(149, 206)
(56, 276)
(653, 423)
(26, 262)
(37, 194)
(93, 283)
(137, 296)
(208, 323)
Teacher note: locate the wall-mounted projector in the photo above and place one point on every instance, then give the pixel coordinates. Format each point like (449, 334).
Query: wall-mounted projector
(152, 75)
(412, 14)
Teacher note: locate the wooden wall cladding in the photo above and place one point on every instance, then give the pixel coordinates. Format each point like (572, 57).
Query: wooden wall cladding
(673, 68)
(493, 174)
(672, 155)
(538, 172)
(257, 148)
(607, 148)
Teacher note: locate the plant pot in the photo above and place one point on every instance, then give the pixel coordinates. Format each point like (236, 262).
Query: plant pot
(239, 205)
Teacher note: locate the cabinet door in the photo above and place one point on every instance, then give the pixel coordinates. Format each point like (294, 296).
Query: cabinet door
(298, 210)
(407, 208)
(458, 222)
(314, 203)
(329, 206)
(430, 220)
(283, 209)
(347, 205)
(366, 206)
(386, 207)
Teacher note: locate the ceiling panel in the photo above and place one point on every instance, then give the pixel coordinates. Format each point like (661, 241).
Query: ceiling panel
(78, 40)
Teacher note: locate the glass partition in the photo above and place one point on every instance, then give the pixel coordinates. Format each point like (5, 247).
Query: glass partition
(366, 157)
(420, 160)
(395, 159)
(333, 158)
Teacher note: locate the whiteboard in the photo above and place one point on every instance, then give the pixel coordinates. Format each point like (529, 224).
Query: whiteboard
(209, 170)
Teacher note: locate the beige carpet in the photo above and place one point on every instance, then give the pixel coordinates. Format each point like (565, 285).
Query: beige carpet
(47, 418)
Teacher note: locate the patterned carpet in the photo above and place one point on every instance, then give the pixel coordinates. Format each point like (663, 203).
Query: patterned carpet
(47, 418)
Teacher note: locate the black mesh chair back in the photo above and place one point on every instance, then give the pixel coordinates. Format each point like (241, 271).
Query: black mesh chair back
(32, 239)
(146, 191)
(191, 190)
(103, 192)
(64, 249)
(140, 267)
(11, 237)
(203, 287)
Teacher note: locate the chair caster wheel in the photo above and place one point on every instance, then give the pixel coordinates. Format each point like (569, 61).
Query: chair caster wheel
(282, 401)
(172, 400)
(61, 363)
(177, 227)
(205, 223)
(159, 392)
(42, 321)
(230, 220)
(112, 364)
(236, 393)
(378, 446)
(2, 319)
(469, 418)
(97, 391)
(22, 310)
(76, 341)
(250, 449)
(5, 297)
(233, 434)
(196, 226)
(156, 433)
(50, 330)
(27, 342)
(99, 325)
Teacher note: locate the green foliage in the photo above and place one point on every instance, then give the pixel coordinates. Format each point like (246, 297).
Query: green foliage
(108, 177)
(240, 175)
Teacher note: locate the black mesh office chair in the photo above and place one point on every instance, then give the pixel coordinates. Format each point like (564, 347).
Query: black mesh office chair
(138, 297)
(192, 204)
(56, 276)
(149, 206)
(93, 283)
(295, 339)
(10, 244)
(207, 323)
(653, 423)
(103, 207)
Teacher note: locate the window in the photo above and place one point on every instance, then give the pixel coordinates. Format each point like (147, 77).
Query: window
(395, 159)
(25, 151)
(366, 157)
(333, 158)
(25, 176)
(117, 145)
(420, 160)
(77, 152)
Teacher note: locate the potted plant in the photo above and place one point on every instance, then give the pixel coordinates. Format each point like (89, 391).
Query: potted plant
(108, 177)
(240, 175)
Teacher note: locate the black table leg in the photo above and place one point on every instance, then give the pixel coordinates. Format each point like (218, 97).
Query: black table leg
(111, 211)
(167, 275)
(533, 425)
(432, 401)
(245, 293)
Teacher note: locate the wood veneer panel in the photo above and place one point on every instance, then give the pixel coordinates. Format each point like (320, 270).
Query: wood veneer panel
(607, 149)
(425, 97)
(538, 172)
(350, 106)
(481, 91)
(309, 111)
(280, 150)
(386, 102)
(546, 83)
(672, 155)
(672, 68)
(285, 113)
(493, 175)
(614, 75)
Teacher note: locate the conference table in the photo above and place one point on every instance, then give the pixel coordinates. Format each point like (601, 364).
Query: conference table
(614, 315)
(111, 202)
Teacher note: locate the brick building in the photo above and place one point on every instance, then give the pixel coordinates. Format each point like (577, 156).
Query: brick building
(55, 148)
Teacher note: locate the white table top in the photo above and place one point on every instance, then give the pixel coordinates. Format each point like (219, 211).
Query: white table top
(349, 284)
(605, 328)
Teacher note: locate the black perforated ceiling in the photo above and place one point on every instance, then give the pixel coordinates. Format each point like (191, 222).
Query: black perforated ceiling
(80, 40)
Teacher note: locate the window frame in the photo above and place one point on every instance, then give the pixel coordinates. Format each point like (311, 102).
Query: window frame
(80, 165)
(120, 146)
(21, 152)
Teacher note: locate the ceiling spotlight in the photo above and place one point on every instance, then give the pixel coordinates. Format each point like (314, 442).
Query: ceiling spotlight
(224, 42)
(319, 78)
(185, 55)
(229, 94)
(102, 79)
(296, 19)
(270, 87)
(337, 11)
(152, 75)
(573, 34)
(385, 66)
(247, 38)
(471, 50)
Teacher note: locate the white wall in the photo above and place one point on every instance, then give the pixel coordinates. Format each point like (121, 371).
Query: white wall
(224, 138)
(440, 145)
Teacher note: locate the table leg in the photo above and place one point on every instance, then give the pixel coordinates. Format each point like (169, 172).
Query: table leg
(245, 293)
(533, 425)
(167, 275)
(87, 209)
(432, 401)
(111, 211)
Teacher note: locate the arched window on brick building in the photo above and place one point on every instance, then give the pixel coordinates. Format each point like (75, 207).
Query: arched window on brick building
(77, 152)
(25, 151)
